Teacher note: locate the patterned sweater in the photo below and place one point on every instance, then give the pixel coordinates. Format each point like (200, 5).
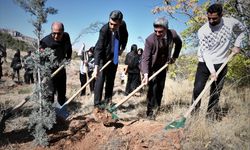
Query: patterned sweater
(214, 41)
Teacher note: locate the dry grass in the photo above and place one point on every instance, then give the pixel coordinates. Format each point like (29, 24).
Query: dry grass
(231, 132)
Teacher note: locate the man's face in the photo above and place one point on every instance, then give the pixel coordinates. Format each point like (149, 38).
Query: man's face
(213, 18)
(160, 32)
(114, 25)
(57, 32)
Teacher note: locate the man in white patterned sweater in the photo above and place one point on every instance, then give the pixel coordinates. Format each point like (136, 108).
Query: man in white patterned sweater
(214, 40)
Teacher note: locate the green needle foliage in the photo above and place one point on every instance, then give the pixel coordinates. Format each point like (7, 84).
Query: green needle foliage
(43, 116)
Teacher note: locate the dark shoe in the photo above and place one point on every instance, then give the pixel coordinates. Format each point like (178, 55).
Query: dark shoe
(150, 115)
(156, 111)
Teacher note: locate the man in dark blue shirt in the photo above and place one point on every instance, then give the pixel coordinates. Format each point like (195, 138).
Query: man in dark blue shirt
(59, 41)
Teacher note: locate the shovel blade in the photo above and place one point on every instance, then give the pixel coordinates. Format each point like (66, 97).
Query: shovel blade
(62, 113)
(176, 124)
(112, 110)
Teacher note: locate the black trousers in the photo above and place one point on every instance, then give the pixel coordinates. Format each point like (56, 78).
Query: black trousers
(201, 77)
(16, 71)
(28, 77)
(134, 80)
(58, 85)
(155, 91)
(83, 80)
(107, 76)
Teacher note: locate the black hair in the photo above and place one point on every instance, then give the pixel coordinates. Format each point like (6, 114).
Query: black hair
(215, 8)
(116, 15)
(134, 48)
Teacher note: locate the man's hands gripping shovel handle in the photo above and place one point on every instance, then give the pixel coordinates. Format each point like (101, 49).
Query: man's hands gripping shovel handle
(181, 122)
(112, 109)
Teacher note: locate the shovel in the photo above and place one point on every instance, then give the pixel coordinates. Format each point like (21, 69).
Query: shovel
(9, 112)
(181, 122)
(61, 111)
(114, 108)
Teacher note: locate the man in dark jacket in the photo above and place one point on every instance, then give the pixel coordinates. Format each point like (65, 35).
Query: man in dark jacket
(112, 41)
(157, 52)
(59, 41)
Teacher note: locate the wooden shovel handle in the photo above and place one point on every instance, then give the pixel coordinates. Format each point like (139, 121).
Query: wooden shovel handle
(72, 97)
(208, 85)
(139, 87)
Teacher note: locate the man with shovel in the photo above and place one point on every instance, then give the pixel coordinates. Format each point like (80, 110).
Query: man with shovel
(158, 52)
(214, 39)
(112, 40)
(59, 41)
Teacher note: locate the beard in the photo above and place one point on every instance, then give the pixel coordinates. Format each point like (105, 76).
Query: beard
(213, 24)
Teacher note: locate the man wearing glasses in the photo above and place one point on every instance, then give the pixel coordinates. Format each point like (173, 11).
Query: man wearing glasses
(157, 52)
(59, 41)
(112, 41)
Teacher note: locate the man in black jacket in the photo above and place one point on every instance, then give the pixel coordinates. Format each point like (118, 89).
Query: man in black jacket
(112, 41)
(59, 41)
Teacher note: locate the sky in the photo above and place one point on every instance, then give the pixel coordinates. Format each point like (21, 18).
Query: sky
(77, 15)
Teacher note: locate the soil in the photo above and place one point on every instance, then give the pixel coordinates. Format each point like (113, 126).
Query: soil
(85, 128)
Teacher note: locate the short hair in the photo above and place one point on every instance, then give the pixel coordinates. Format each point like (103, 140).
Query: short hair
(116, 15)
(161, 22)
(215, 8)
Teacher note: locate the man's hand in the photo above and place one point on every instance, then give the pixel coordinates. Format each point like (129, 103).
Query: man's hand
(235, 49)
(145, 79)
(96, 71)
(213, 76)
(41, 49)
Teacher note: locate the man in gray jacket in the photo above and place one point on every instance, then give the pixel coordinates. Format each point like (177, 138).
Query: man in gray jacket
(158, 51)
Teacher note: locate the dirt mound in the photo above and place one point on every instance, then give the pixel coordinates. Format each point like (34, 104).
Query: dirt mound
(88, 133)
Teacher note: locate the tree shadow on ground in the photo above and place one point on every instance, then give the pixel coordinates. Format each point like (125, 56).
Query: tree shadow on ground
(73, 128)
(16, 136)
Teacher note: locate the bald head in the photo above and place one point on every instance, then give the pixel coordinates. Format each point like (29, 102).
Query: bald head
(57, 30)
(58, 25)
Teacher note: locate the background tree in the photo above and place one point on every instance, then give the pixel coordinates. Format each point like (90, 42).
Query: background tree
(92, 28)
